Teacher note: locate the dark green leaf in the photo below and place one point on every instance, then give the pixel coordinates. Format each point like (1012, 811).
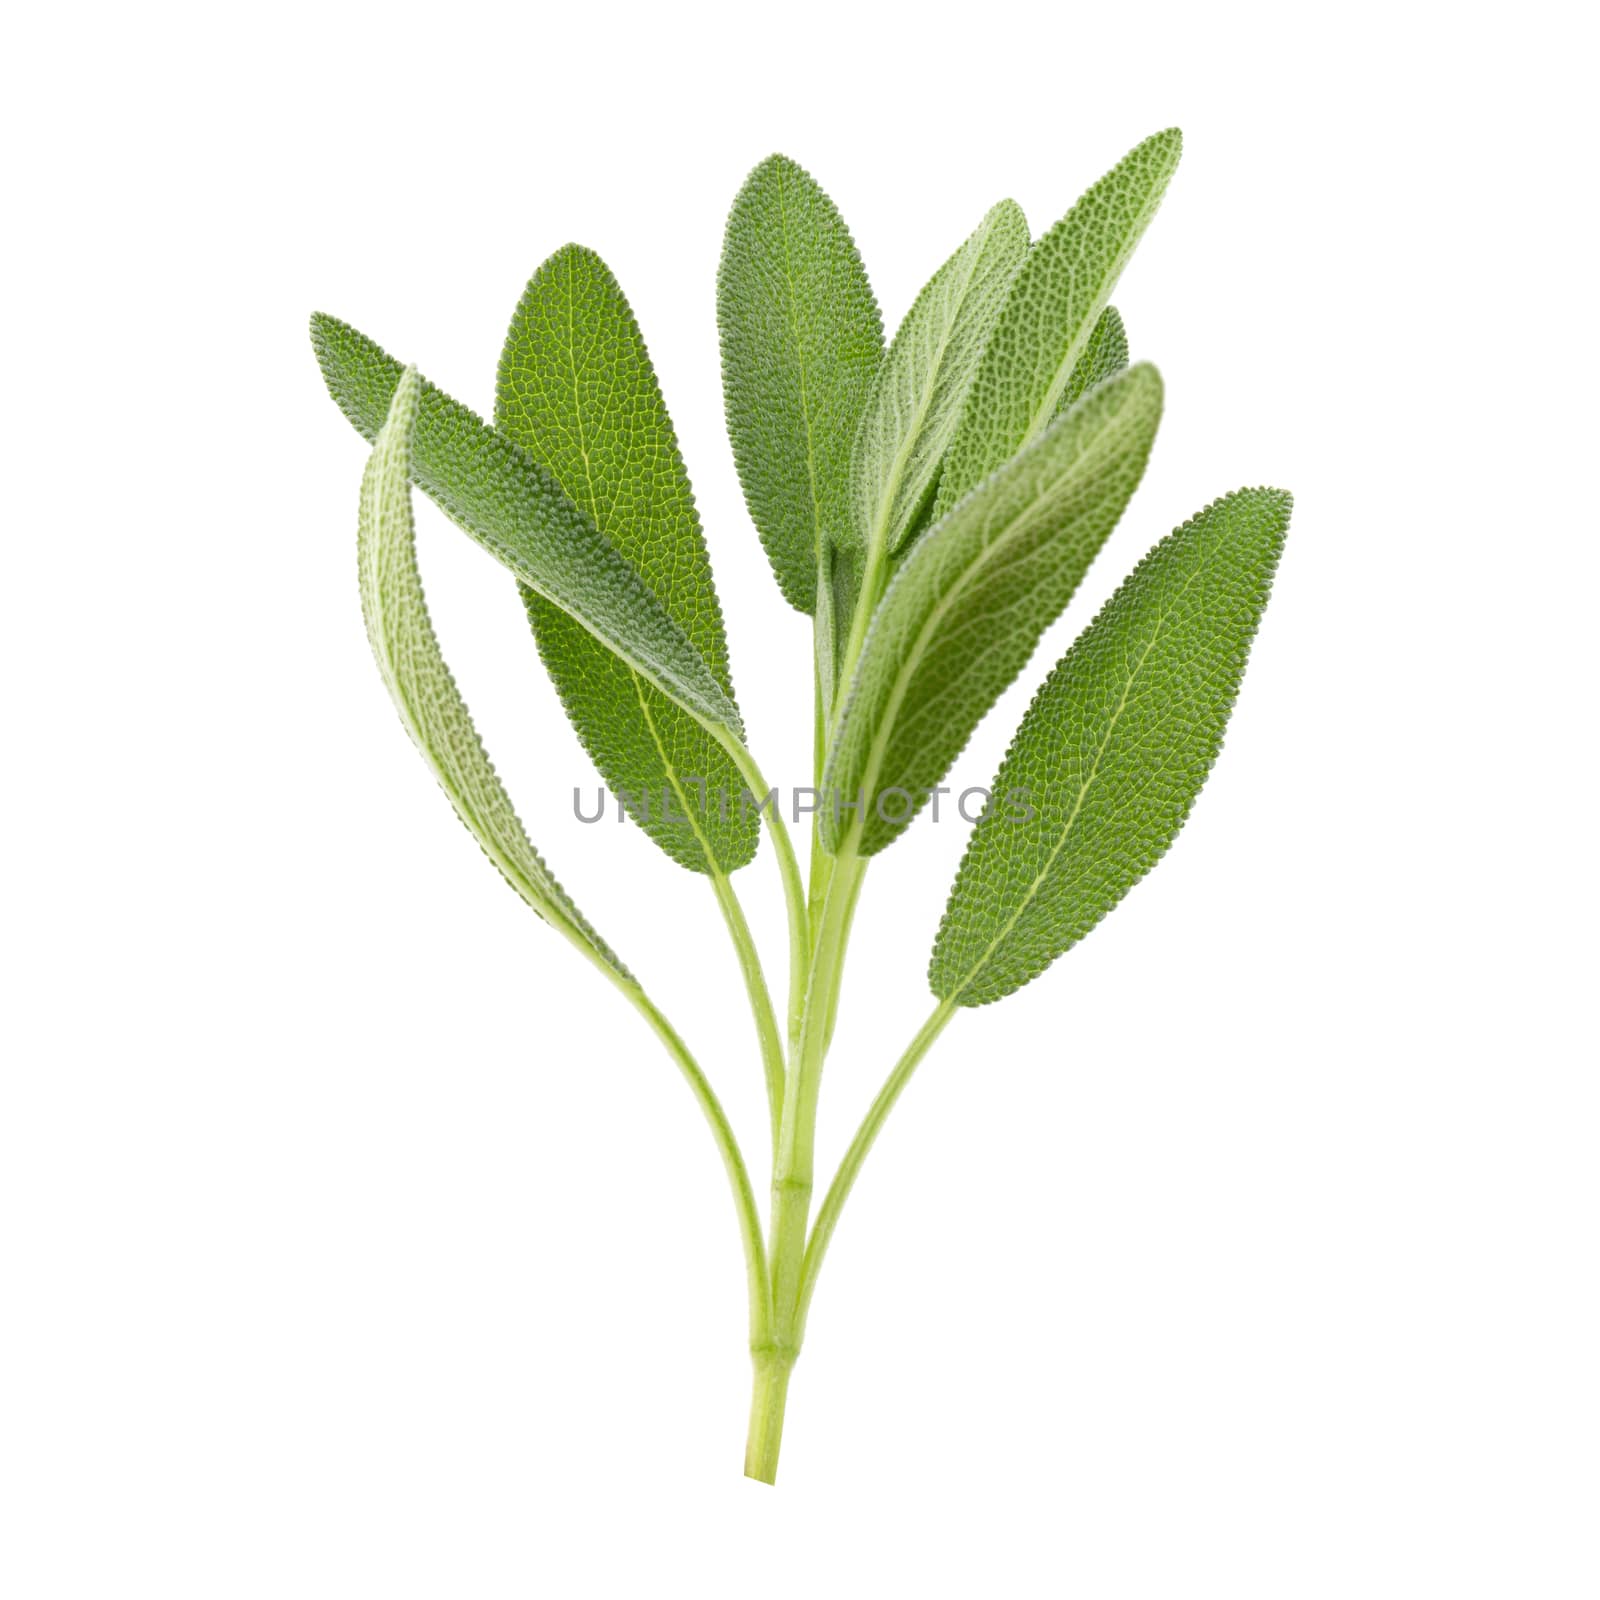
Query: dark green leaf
(801, 343)
(1112, 752)
(577, 391)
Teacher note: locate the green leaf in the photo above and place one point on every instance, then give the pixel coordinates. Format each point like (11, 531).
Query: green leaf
(1112, 752)
(917, 399)
(801, 343)
(514, 509)
(1050, 314)
(421, 685)
(577, 391)
(963, 614)
(1105, 353)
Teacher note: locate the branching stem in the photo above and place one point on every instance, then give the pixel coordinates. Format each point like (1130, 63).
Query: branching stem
(844, 1179)
(744, 1198)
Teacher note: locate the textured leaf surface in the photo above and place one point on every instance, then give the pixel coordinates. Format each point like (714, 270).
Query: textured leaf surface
(513, 507)
(421, 685)
(917, 399)
(1105, 353)
(1051, 312)
(1113, 751)
(577, 391)
(966, 609)
(801, 343)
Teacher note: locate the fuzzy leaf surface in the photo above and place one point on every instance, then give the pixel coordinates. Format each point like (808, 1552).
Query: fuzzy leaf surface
(512, 506)
(1113, 750)
(576, 389)
(1052, 310)
(422, 687)
(1105, 353)
(917, 399)
(966, 609)
(801, 343)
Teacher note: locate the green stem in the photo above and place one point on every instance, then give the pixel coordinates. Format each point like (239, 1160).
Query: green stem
(728, 1147)
(794, 893)
(793, 1168)
(757, 1283)
(755, 984)
(844, 1179)
(767, 1399)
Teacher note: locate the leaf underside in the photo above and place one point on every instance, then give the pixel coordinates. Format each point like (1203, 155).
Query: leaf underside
(801, 344)
(967, 608)
(422, 687)
(576, 389)
(1053, 309)
(507, 502)
(1105, 355)
(1113, 751)
(917, 399)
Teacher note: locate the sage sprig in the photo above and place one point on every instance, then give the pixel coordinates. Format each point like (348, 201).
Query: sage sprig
(933, 507)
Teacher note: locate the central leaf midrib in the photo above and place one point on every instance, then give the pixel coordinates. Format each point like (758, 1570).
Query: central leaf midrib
(1083, 793)
(639, 684)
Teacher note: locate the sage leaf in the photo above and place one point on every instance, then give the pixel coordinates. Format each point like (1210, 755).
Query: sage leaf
(422, 687)
(576, 389)
(916, 401)
(512, 506)
(1105, 353)
(1050, 314)
(965, 610)
(1112, 752)
(801, 344)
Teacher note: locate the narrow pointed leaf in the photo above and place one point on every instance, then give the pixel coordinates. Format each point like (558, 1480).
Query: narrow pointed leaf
(801, 343)
(577, 391)
(1105, 353)
(422, 687)
(1051, 312)
(917, 399)
(1113, 751)
(963, 614)
(496, 493)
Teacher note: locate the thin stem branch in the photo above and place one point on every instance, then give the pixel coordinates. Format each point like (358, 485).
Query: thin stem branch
(727, 1145)
(794, 893)
(844, 1179)
(755, 983)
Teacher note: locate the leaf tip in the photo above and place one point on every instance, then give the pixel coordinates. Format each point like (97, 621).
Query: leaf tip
(773, 164)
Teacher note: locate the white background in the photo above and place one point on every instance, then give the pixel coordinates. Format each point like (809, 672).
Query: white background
(355, 1240)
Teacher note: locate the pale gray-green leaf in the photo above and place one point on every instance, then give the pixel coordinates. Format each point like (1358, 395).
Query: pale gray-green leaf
(917, 399)
(1055, 301)
(801, 343)
(963, 614)
(576, 389)
(1112, 752)
(512, 506)
(422, 687)
(1105, 353)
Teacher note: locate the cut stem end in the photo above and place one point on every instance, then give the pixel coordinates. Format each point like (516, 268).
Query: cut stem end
(767, 1401)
